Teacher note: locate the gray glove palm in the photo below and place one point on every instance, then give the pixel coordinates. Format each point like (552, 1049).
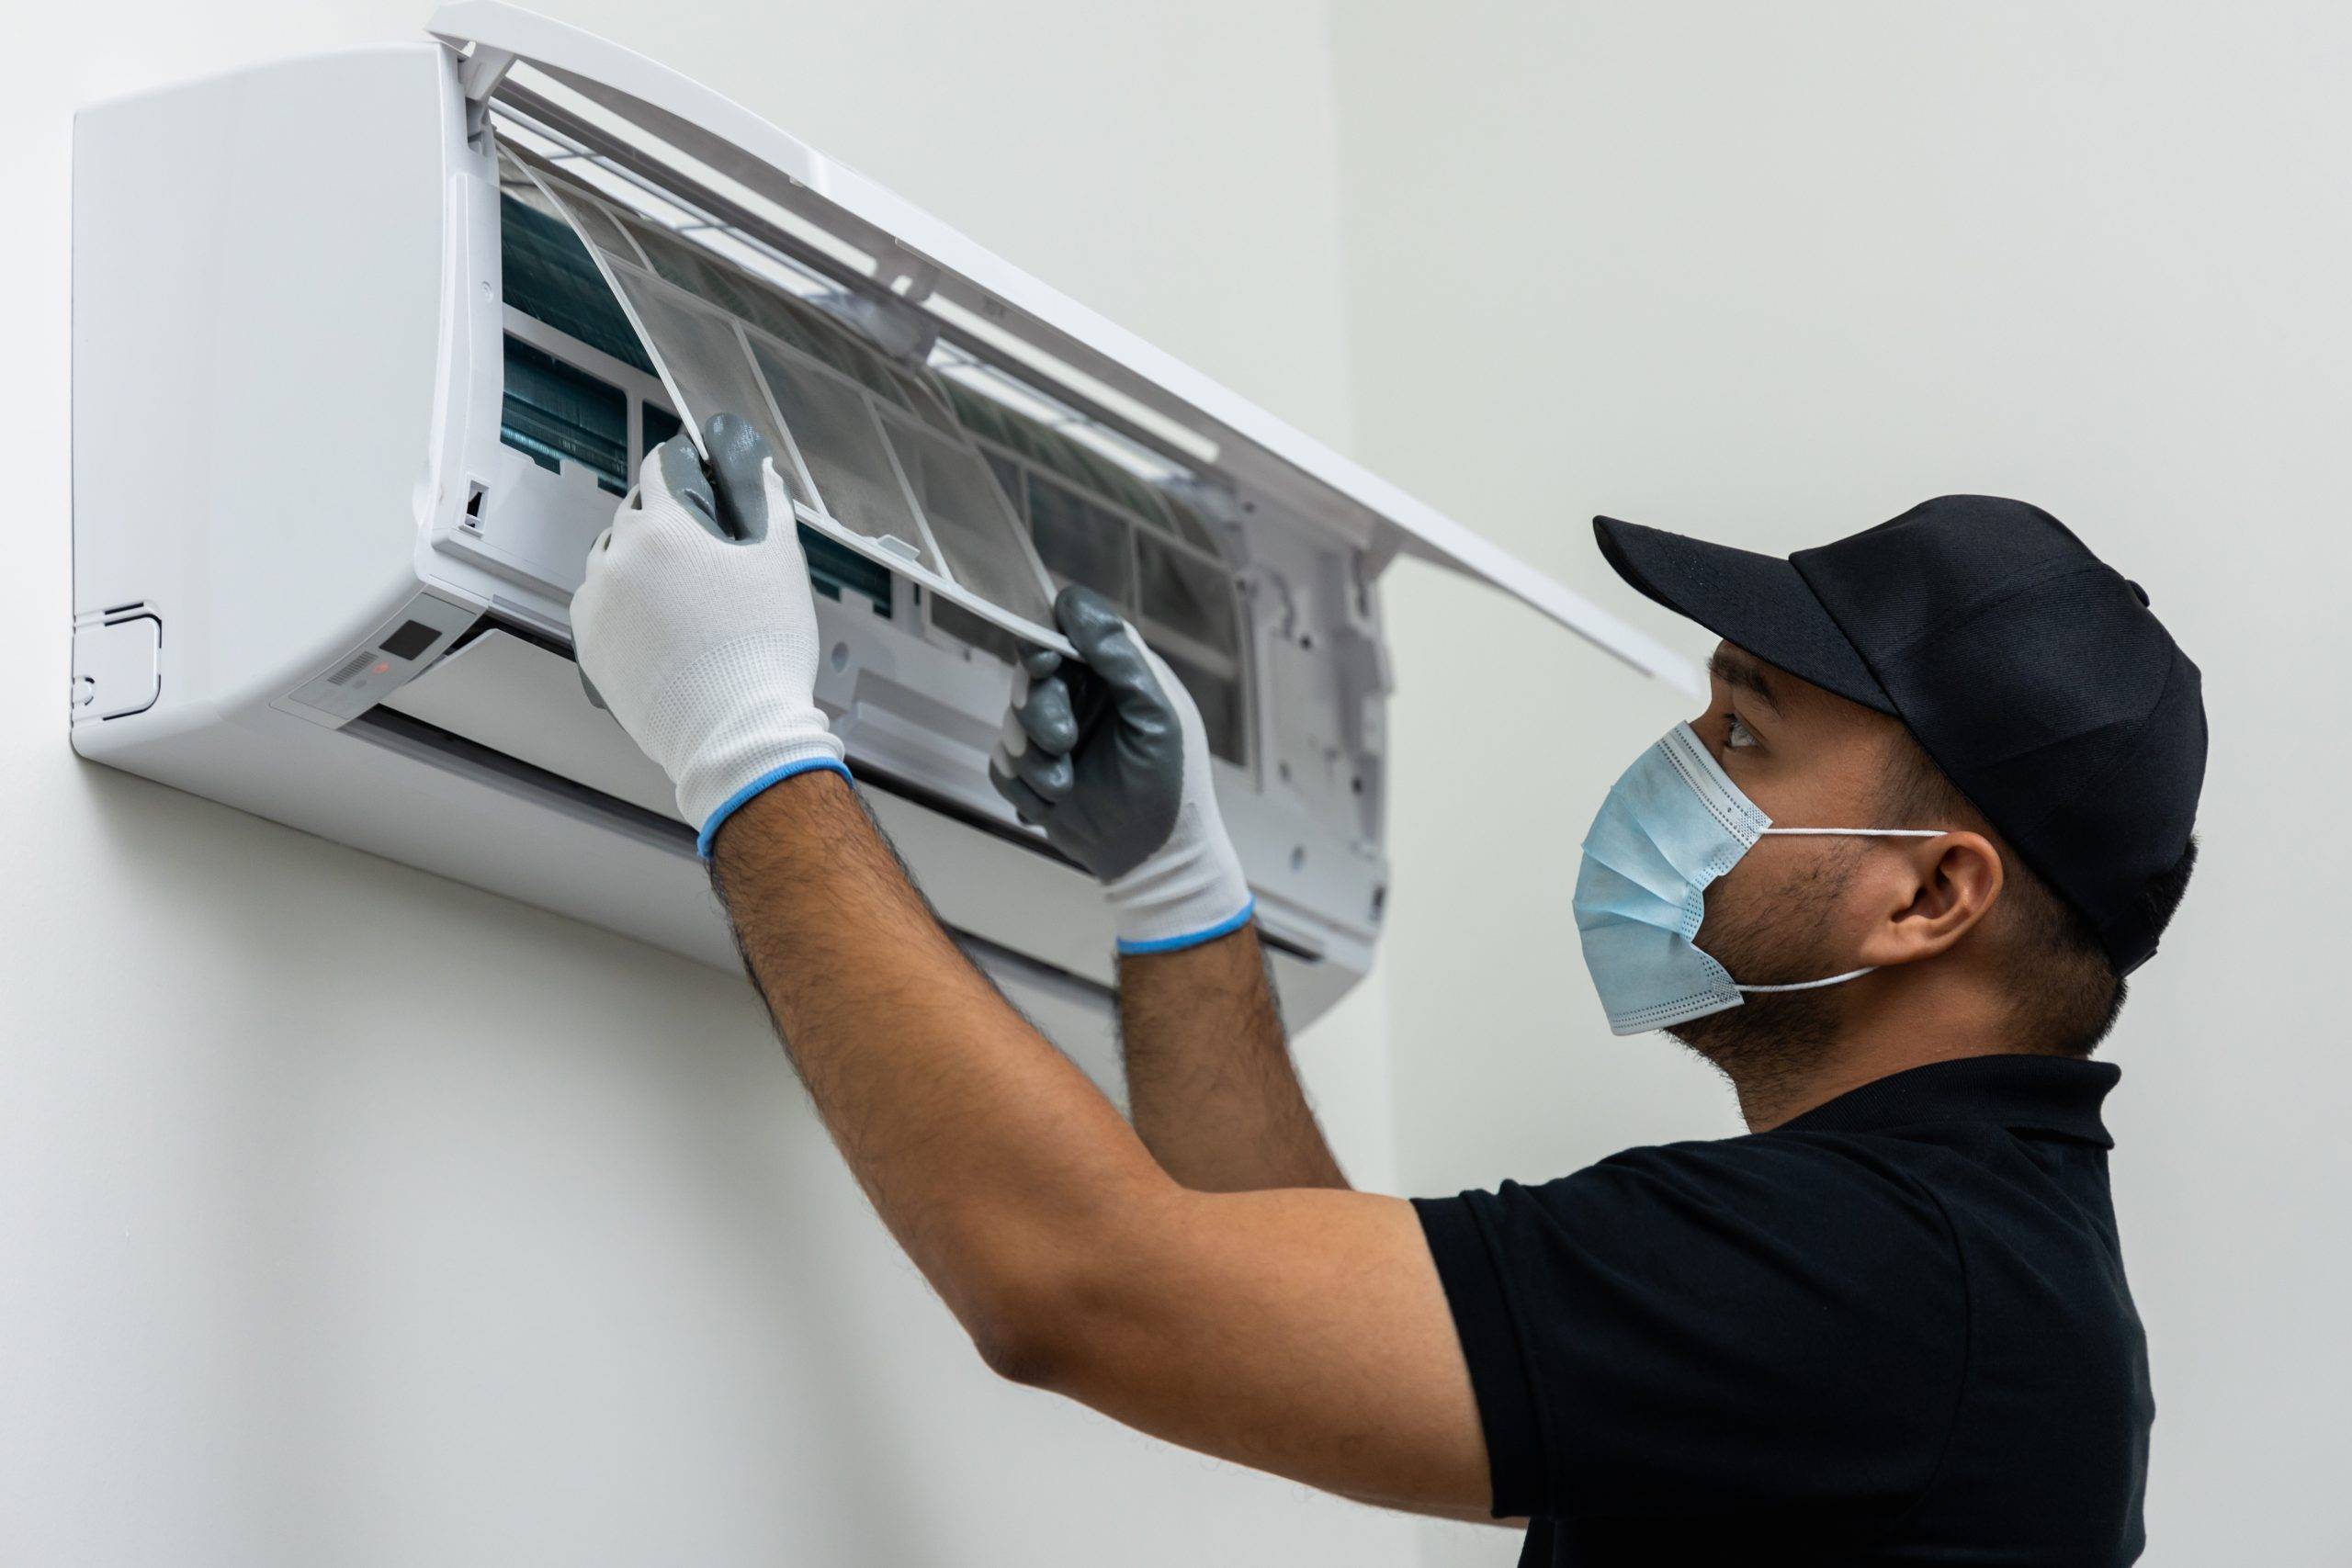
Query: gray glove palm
(1110, 757)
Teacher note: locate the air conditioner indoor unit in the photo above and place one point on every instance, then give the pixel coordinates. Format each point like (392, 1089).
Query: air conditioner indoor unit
(366, 344)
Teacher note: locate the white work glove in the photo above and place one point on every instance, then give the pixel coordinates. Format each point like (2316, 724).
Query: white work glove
(696, 626)
(1110, 759)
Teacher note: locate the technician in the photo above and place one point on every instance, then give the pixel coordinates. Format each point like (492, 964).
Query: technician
(1890, 882)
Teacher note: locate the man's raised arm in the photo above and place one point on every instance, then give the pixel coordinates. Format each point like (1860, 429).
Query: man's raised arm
(1302, 1331)
(1109, 757)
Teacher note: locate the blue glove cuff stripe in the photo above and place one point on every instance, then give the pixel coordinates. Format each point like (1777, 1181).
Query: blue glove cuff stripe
(736, 802)
(1175, 943)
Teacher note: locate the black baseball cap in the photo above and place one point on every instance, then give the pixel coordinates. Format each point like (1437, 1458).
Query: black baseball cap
(2033, 673)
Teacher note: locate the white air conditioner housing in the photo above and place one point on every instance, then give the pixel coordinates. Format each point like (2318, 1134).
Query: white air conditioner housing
(355, 386)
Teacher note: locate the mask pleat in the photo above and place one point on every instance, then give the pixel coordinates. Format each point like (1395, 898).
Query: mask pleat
(1605, 895)
(1620, 846)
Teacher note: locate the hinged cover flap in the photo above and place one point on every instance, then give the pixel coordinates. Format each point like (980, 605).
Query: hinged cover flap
(937, 267)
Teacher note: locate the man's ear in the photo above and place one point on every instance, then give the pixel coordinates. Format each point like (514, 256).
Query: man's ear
(1946, 885)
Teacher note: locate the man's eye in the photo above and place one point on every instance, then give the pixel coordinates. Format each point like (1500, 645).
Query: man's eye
(1739, 736)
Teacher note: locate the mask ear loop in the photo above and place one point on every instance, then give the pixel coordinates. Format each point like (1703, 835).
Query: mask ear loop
(1848, 833)
(1811, 985)
(1860, 832)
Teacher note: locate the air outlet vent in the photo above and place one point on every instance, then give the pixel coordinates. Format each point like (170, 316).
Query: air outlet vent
(344, 671)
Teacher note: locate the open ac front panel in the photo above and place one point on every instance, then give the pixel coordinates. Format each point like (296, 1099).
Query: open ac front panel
(397, 326)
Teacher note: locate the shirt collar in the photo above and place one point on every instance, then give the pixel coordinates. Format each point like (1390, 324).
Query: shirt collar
(2037, 1094)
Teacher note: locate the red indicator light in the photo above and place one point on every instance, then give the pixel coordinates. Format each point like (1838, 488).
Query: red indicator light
(381, 668)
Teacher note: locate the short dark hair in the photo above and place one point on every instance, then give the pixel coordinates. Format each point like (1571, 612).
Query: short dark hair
(2072, 995)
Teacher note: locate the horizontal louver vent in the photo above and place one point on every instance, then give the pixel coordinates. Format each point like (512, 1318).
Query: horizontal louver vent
(350, 668)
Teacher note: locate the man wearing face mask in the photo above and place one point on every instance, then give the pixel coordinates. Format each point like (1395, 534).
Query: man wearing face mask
(1890, 883)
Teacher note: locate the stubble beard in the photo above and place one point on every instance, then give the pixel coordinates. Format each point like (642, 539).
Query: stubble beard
(1770, 1044)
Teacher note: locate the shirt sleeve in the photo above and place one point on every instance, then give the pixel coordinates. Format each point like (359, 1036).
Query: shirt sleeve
(1764, 1327)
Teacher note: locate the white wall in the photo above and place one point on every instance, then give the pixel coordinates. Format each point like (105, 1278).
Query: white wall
(1770, 275)
(348, 1216)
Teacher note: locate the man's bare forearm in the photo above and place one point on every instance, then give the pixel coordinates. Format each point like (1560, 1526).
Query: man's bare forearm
(1211, 1086)
(980, 1145)
(1304, 1332)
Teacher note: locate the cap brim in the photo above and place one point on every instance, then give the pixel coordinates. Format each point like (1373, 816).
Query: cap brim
(1757, 602)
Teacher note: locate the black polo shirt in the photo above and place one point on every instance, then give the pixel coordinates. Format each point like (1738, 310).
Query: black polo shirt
(1894, 1330)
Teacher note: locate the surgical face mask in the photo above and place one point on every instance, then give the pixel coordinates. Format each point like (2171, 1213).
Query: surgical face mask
(1672, 824)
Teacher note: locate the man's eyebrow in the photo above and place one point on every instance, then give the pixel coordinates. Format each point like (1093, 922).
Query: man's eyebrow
(1740, 672)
